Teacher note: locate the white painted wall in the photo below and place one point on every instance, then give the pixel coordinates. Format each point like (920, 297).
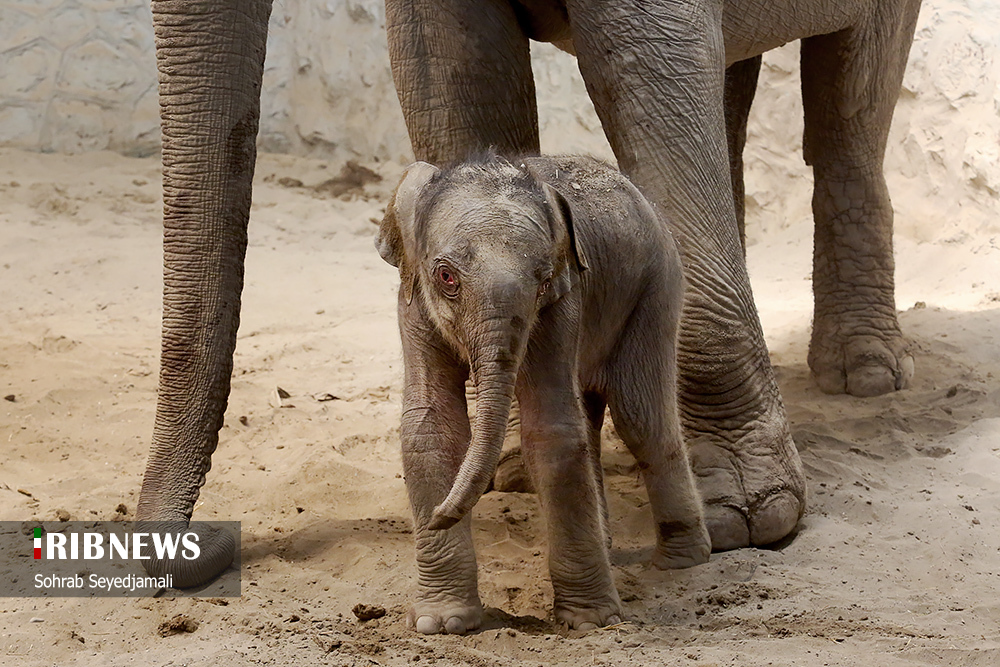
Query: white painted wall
(79, 75)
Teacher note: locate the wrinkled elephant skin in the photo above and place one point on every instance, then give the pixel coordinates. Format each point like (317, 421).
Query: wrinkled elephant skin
(670, 109)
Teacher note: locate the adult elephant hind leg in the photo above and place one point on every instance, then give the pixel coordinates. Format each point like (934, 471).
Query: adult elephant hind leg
(850, 83)
(512, 475)
(656, 79)
(741, 85)
(210, 56)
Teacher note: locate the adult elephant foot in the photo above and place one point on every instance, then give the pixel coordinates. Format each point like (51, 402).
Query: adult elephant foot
(861, 364)
(448, 615)
(752, 487)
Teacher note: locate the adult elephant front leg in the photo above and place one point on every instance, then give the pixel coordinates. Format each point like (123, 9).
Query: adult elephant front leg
(210, 56)
(657, 80)
(463, 74)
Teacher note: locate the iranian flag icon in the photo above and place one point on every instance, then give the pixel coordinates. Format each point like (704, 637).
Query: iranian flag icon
(38, 543)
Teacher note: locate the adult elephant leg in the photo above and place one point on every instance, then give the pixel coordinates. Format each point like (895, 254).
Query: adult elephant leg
(741, 85)
(463, 74)
(210, 56)
(656, 78)
(850, 83)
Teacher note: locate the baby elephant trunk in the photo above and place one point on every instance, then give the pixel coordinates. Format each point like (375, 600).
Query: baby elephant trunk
(493, 374)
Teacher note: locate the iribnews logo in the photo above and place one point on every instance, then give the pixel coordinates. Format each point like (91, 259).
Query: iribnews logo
(117, 558)
(129, 546)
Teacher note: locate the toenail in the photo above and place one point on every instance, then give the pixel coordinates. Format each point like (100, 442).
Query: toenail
(454, 626)
(426, 625)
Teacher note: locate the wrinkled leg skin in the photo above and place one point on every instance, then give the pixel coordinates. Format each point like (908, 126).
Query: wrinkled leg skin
(661, 104)
(642, 394)
(556, 442)
(435, 435)
(850, 83)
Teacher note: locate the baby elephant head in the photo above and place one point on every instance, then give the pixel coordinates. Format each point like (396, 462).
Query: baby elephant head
(484, 246)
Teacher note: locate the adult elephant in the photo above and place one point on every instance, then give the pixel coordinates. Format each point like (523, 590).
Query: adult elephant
(672, 82)
(656, 72)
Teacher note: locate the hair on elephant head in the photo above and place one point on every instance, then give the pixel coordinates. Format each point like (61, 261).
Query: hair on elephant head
(484, 246)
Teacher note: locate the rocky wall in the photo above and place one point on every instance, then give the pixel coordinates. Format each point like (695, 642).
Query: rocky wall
(79, 75)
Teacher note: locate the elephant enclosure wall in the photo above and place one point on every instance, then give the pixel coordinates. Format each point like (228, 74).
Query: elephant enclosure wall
(79, 75)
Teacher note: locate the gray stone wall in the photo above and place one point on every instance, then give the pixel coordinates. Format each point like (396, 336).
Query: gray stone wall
(77, 75)
(80, 75)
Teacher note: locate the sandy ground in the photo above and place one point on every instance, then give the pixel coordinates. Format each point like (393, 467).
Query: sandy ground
(896, 563)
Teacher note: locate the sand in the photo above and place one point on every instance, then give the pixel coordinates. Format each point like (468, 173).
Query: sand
(897, 561)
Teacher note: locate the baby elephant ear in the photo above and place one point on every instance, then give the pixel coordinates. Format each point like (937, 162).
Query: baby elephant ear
(396, 241)
(562, 226)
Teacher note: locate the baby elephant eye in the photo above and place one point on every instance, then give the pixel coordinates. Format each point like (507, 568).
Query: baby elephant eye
(544, 287)
(448, 280)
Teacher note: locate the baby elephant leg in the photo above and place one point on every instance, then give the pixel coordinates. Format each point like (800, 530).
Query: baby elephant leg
(435, 435)
(556, 449)
(643, 401)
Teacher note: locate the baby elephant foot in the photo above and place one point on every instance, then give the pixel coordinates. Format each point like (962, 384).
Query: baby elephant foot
(680, 545)
(453, 617)
(862, 365)
(512, 475)
(753, 489)
(589, 618)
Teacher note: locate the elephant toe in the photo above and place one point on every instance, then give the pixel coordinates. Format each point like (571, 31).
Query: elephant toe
(752, 488)
(453, 618)
(875, 367)
(586, 619)
(774, 518)
(863, 366)
(727, 526)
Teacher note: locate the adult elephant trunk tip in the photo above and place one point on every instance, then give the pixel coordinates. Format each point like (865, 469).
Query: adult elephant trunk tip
(217, 548)
(170, 517)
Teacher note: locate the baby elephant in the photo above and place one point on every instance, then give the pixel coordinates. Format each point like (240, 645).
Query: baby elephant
(551, 279)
